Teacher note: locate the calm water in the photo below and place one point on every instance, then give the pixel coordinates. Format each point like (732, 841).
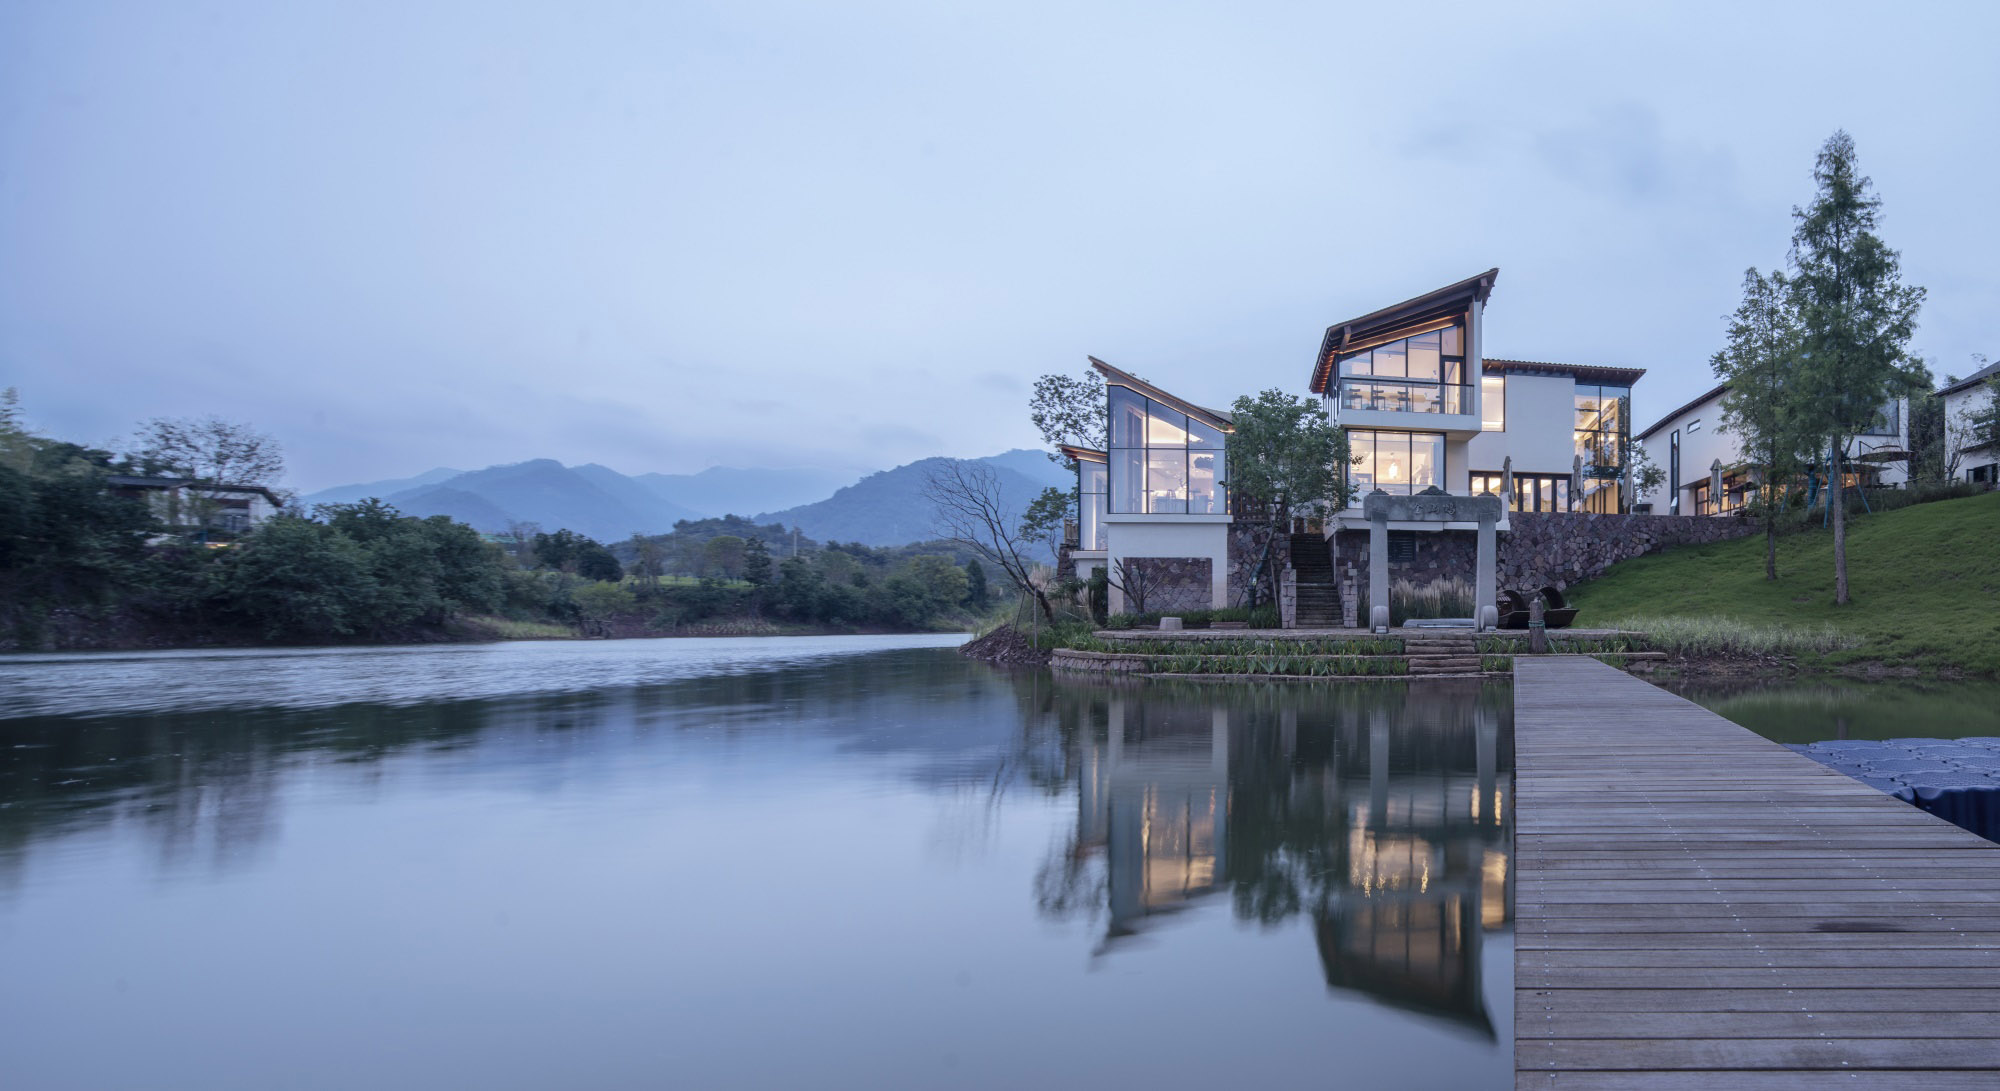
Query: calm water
(840, 862)
(1842, 708)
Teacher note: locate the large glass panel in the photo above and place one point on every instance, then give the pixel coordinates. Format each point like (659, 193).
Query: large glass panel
(1451, 340)
(1391, 360)
(1356, 365)
(1426, 461)
(1423, 357)
(1561, 494)
(1454, 372)
(1128, 481)
(1166, 426)
(1166, 481)
(1128, 418)
(1091, 476)
(1205, 483)
(1090, 532)
(1361, 447)
(1588, 406)
(1202, 436)
(1392, 462)
(1493, 403)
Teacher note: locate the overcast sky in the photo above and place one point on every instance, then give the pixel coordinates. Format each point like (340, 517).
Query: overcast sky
(668, 236)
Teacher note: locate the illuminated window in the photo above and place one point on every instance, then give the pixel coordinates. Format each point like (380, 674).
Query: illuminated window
(1493, 403)
(1420, 374)
(1163, 462)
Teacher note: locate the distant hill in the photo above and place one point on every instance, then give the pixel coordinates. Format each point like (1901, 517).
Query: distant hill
(348, 494)
(882, 509)
(590, 500)
(889, 508)
(727, 490)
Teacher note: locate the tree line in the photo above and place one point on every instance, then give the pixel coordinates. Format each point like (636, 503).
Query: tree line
(80, 563)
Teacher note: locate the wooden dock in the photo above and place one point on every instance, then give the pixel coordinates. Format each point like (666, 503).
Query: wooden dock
(1701, 908)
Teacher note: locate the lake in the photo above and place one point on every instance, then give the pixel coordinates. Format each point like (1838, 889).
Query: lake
(1808, 710)
(777, 862)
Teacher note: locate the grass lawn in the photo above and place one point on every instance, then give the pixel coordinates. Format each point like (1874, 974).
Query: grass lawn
(1925, 584)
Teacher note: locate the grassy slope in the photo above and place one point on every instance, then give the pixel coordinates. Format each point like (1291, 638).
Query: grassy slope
(1925, 582)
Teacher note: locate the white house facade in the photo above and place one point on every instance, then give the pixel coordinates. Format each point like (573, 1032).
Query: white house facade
(1707, 473)
(1963, 402)
(1543, 436)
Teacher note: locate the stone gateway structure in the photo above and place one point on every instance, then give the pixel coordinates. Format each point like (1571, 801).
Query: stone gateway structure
(1433, 505)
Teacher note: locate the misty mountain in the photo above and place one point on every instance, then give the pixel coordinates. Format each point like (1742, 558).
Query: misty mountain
(728, 490)
(348, 494)
(882, 509)
(889, 508)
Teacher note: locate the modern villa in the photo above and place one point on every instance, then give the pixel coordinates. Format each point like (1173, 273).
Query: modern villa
(1708, 475)
(1425, 408)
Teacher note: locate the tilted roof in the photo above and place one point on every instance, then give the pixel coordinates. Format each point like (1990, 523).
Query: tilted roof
(1215, 417)
(1442, 303)
(1662, 422)
(1974, 379)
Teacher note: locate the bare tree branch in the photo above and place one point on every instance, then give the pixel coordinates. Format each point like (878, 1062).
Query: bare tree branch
(971, 509)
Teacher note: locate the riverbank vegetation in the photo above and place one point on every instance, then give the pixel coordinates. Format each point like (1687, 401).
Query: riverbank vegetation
(85, 562)
(1923, 581)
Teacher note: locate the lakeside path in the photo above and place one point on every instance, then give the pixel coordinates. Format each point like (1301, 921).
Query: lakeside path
(1699, 907)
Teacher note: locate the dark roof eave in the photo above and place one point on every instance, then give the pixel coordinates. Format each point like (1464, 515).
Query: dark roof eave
(1972, 380)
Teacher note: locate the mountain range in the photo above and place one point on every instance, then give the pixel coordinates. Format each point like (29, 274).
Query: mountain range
(883, 508)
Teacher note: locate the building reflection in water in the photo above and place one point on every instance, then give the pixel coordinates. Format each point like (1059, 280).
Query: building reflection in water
(1383, 812)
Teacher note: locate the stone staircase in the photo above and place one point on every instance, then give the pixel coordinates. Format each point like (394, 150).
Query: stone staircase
(1448, 651)
(1319, 594)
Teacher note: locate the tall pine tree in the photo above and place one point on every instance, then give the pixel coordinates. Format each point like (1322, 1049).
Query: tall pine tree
(1856, 317)
(1758, 365)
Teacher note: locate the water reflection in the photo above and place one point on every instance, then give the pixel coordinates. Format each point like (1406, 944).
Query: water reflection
(1809, 710)
(1382, 812)
(900, 864)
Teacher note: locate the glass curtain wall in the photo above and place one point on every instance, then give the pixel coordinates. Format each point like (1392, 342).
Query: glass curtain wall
(1421, 374)
(1163, 462)
(1093, 495)
(1398, 463)
(1601, 429)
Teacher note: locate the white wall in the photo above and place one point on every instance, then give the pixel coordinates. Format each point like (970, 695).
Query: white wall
(1541, 430)
(1959, 408)
(1700, 449)
(1185, 536)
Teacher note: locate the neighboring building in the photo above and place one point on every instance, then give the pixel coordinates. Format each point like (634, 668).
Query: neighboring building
(181, 502)
(1706, 473)
(1157, 502)
(1401, 380)
(1964, 400)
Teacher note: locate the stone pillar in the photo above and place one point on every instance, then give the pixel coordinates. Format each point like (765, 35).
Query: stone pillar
(1378, 572)
(1483, 578)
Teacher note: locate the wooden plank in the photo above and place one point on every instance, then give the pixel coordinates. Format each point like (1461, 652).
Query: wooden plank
(1841, 1054)
(1738, 1080)
(1699, 907)
(1539, 1002)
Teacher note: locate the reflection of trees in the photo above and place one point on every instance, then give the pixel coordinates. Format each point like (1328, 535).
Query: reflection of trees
(208, 788)
(1380, 810)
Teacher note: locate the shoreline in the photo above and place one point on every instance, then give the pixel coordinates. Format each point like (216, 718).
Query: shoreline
(457, 631)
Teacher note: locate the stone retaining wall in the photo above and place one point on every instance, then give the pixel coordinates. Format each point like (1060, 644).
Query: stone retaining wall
(1563, 548)
(1246, 545)
(1174, 583)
